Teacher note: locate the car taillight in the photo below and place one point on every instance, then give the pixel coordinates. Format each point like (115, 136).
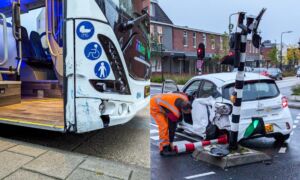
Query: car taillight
(284, 102)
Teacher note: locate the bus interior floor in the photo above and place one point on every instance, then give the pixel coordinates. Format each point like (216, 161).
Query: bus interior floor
(47, 112)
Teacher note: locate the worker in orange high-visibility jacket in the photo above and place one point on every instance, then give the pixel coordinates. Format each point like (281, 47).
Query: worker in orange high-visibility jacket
(166, 110)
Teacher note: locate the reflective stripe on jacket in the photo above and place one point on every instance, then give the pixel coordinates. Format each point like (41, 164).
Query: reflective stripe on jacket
(168, 101)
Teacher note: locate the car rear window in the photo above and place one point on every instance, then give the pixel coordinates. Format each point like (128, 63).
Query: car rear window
(254, 90)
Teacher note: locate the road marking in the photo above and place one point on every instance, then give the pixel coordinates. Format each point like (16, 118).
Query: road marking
(153, 131)
(153, 125)
(282, 150)
(294, 126)
(155, 138)
(298, 117)
(186, 136)
(296, 121)
(200, 175)
(292, 133)
(289, 140)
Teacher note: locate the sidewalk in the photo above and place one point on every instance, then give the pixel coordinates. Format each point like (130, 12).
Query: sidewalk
(22, 161)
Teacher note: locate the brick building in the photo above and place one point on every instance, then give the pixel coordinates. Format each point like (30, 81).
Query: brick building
(175, 46)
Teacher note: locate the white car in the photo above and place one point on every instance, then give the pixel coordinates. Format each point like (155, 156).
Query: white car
(262, 102)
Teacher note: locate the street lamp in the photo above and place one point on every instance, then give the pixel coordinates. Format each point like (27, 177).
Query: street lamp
(161, 61)
(230, 24)
(285, 32)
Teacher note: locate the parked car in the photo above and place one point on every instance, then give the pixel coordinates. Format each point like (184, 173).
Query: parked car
(261, 98)
(261, 71)
(298, 73)
(275, 73)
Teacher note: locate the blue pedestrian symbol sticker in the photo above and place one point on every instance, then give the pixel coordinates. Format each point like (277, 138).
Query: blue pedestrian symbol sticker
(102, 70)
(85, 30)
(93, 51)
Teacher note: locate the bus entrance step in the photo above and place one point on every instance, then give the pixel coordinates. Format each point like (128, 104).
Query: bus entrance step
(10, 93)
(42, 89)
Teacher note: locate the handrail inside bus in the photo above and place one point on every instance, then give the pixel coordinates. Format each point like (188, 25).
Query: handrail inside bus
(5, 41)
(47, 31)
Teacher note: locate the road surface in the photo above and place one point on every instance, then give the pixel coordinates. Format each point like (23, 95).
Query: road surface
(285, 157)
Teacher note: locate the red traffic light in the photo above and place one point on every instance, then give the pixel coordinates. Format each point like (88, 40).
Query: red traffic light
(201, 51)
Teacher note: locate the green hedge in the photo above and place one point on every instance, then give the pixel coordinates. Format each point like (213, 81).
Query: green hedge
(288, 73)
(296, 90)
(179, 79)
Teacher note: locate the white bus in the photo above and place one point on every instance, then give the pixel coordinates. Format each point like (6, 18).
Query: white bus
(92, 73)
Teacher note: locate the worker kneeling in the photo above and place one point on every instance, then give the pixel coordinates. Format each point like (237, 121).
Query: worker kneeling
(167, 109)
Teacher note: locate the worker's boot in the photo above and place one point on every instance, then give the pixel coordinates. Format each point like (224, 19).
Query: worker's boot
(167, 151)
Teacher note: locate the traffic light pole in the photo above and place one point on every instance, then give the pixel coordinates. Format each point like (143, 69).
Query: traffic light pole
(240, 58)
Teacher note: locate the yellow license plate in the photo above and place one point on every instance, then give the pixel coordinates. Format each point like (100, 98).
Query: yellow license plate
(147, 91)
(269, 128)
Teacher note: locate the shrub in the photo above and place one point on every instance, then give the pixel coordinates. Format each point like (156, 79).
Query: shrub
(288, 73)
(296, 90)
(179, 79)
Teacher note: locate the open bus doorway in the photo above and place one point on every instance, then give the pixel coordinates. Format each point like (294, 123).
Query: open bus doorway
(31, 82)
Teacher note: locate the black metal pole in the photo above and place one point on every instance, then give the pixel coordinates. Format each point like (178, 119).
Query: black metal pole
(161, 60)
(240, 56)
(240, 49)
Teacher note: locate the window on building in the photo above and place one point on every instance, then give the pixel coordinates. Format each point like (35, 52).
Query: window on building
(151, 31)
(221, 43)
(194, 40)
(159, 34)
(185, 38)
(213, 43)
(204, 39)
(152, 10)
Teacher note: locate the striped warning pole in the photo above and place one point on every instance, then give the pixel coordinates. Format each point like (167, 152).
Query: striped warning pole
(190, 147)
(240, 51)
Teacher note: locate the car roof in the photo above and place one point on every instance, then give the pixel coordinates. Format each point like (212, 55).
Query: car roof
(221, 79)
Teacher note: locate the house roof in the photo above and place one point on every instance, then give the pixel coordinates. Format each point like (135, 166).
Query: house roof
(159, 14)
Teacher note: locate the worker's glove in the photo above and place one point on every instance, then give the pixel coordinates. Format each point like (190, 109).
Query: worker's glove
(172, 117)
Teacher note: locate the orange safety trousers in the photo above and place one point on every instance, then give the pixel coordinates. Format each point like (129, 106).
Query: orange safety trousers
(159, 115)
(161, 120)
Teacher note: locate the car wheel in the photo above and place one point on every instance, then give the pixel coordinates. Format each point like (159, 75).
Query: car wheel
(281, 137)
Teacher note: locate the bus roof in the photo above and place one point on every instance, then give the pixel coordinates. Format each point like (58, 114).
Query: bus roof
(26, 5)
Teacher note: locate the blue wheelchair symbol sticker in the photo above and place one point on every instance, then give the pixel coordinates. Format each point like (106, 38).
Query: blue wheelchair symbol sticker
(93, 51)
(102, 70)
(85, 30)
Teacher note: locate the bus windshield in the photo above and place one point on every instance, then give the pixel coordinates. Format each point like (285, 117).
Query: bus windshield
(135, 41)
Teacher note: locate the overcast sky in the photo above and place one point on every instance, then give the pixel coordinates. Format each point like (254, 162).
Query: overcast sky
(213, 15)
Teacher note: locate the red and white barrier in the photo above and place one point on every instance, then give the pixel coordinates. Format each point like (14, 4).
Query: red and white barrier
(190, 147)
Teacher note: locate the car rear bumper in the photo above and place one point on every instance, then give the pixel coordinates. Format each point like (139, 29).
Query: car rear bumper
(282, 124)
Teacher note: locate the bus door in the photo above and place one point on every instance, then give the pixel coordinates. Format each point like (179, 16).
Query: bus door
(55, 35)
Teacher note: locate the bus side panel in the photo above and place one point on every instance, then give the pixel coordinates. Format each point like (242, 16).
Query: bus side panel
(70, 78)
(88, 115)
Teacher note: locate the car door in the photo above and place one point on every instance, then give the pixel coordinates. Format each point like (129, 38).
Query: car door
(169, 86)
(208, 89)
(192, 90)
